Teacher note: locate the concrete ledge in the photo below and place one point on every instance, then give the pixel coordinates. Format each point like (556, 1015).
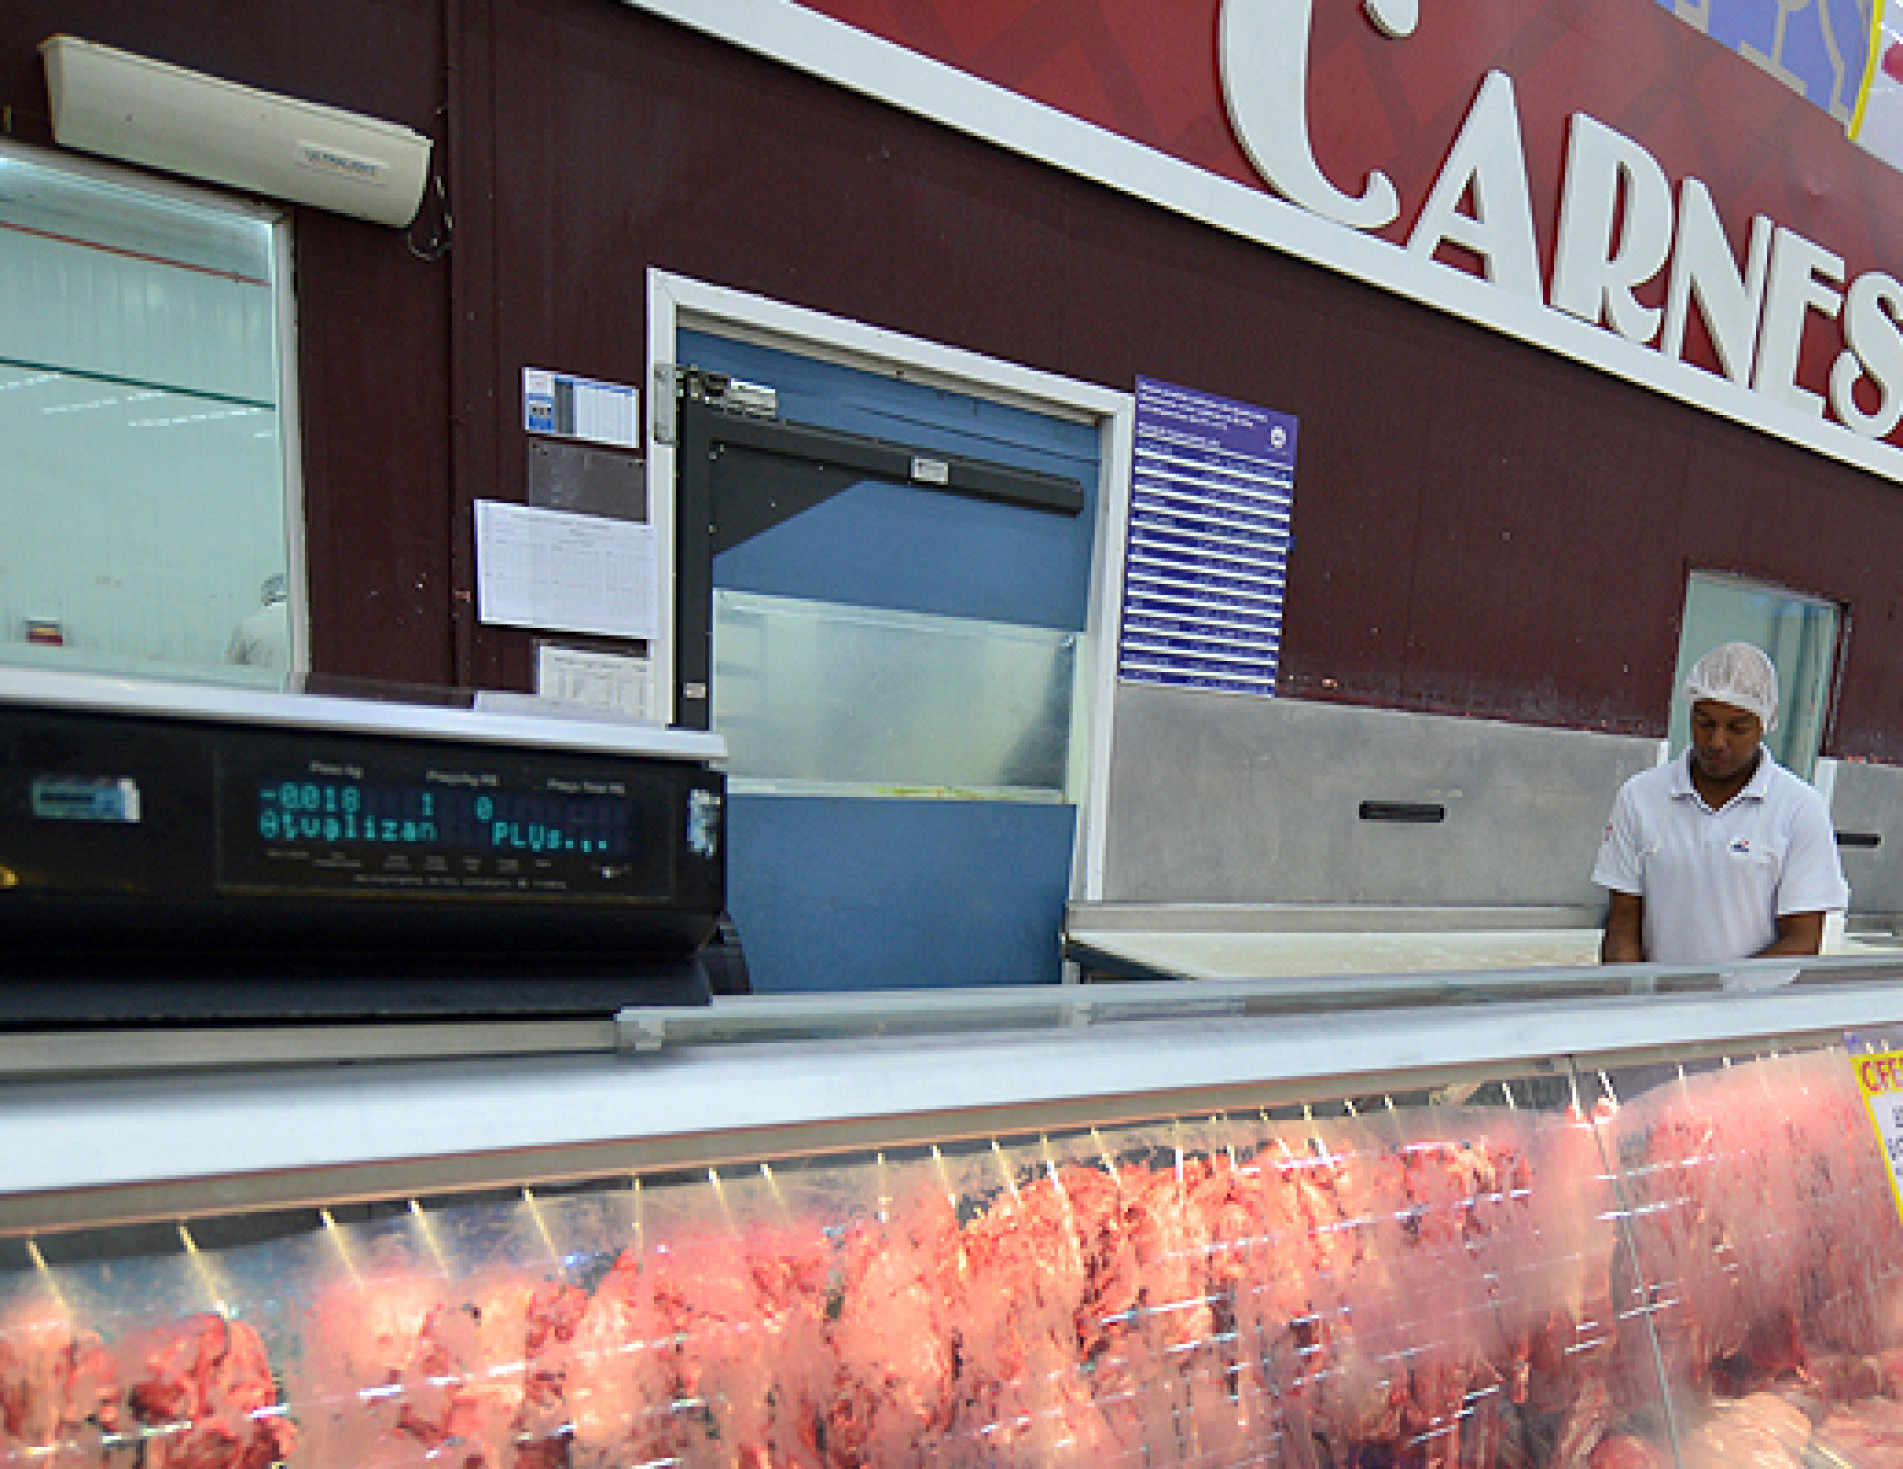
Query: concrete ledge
(1300, 918)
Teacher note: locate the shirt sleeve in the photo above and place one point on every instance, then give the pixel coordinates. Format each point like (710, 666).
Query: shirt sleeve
(1620, 865)
(1813, 877)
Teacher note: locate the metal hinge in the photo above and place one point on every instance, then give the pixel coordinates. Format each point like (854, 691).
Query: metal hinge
(665, 427)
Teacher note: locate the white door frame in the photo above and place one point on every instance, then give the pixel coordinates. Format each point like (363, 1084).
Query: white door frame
(676, 302)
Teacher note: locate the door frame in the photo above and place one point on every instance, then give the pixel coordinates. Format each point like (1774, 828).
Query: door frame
(677, 302)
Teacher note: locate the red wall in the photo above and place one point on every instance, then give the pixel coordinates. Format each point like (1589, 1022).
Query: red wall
(1481, 527)
(1149, 71)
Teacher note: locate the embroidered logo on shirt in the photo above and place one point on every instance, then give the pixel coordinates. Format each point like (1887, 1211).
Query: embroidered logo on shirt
(1741, 846)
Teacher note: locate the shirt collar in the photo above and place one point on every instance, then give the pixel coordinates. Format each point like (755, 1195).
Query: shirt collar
(1755, 789)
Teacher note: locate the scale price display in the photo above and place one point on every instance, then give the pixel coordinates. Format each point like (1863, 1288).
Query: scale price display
(361, 821)
(346, 814)
(477, 823)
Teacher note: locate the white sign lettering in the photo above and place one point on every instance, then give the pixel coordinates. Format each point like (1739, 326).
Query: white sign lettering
(1488, 160)
(1268, 104)
(1619, 229)
(1730, 302)
(1607, 173)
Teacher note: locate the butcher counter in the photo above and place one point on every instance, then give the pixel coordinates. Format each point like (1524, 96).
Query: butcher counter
(1600, 1217)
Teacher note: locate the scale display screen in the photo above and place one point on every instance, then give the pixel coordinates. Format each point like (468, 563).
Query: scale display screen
(347, 814)
(175, 854)
(309, 823)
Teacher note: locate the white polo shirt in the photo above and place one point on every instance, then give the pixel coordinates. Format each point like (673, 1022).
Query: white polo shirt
(1716, 882)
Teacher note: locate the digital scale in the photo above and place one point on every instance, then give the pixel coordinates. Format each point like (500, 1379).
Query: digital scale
(175, 852)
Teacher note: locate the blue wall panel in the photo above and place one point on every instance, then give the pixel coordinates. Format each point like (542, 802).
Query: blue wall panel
(883, 545)
(843, 894)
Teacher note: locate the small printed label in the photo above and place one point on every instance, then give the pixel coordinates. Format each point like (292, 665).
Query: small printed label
(930, 471)
(84, 799)
(567, 407)
(538, 401)
(703, 823)
(341, 164)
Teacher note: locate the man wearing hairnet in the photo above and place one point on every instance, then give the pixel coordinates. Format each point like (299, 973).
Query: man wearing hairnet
(1722, 853)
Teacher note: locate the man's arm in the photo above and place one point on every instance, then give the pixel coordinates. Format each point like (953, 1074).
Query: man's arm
(1624, 941)
(1797, 933)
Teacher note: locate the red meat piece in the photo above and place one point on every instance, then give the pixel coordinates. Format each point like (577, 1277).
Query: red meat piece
(206, 1397)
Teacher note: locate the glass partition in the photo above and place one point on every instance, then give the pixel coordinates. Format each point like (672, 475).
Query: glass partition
(1542, 1268)
(143, 489)
(824, 698)
(1759, 1220)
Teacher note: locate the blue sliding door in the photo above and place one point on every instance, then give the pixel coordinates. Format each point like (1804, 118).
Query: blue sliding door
(893, 667)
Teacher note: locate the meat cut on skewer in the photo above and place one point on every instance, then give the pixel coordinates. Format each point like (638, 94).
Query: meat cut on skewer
(203, 1397)
(605, 1383)
(59, 1393)
(894, 1358)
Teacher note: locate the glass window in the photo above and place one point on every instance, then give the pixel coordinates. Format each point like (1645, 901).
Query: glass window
(143, 489)
(1800, 634)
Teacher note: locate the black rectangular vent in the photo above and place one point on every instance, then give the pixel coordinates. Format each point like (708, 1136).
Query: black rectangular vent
(1419, 812)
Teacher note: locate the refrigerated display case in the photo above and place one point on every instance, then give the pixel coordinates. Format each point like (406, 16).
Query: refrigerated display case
(1606, 1218)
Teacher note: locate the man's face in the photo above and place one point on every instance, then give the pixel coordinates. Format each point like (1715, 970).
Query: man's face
(1725, 739)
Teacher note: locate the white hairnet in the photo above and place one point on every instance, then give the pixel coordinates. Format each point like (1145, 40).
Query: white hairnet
(1739, 674)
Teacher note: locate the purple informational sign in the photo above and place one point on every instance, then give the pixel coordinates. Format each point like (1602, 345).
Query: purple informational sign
(1211, 492)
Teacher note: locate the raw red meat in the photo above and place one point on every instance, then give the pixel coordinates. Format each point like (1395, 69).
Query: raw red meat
(204, 1398)
(1628, 1451)
(59, 1396)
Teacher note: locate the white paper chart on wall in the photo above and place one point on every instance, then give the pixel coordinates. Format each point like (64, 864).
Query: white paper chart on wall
(621, 683)
(563, 572)
(1212, 491)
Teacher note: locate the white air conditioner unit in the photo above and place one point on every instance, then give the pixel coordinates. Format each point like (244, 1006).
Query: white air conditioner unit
(144, 111)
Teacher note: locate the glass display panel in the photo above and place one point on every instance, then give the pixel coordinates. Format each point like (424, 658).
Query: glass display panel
(1760, 1222)
(822, 698)
(143, 489)
(1390, 1280)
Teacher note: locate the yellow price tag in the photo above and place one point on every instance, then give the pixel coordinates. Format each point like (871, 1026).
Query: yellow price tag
(1880, 1079)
